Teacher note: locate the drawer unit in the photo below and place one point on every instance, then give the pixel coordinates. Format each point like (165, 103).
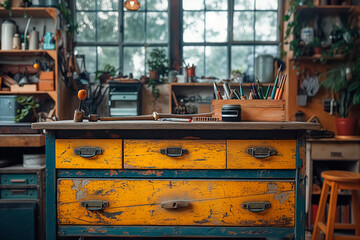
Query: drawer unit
(175, 154)
(261, 154)
(335, 150)
(18, 179)
(89, 153)
(176, 202)
(19, 193)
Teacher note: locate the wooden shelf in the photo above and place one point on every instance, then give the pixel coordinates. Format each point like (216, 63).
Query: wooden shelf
(311, 58)
(22, 140)
(52, 94)
(211, 85)
(328, 9)
(37, 12)
(28, 53)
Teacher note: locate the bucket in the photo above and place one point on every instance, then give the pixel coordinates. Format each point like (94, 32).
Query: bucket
(264, 68)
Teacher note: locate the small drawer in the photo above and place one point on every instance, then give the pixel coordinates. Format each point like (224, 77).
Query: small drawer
(175, 202)
(18, 179)
(88, 153)
(19, 193)
(261, 154)
(335, 151)
(175, 154)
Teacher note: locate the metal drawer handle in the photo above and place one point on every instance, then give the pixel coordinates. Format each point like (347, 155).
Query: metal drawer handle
(87, 152)
(18, 180)
(175, 204)
(256, 206)
(94, 205)
(261, 152)
(16, 192)
(174, 151)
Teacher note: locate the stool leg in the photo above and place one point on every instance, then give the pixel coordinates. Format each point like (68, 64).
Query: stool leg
(356, 210)
(321, 210)
(332, 211)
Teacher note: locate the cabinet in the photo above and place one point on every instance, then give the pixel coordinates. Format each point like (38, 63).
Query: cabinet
(134, 179)
(124, 99)
(17, 60)
(330, 154)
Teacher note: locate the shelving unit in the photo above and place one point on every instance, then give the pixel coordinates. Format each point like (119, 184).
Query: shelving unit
(45, 13)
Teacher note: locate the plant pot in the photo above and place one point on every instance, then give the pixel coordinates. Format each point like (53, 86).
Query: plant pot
(334, 2)
(317, 50)
(153, 74)
(346, 126)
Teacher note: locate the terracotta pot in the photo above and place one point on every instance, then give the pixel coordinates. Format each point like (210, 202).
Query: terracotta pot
(317, 50)
(346, 126)
(334, 2)
(153, 74)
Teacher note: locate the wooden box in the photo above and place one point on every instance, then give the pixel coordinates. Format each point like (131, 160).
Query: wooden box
(46, 85)
(254, 110)
(46, 75)
(24, 88)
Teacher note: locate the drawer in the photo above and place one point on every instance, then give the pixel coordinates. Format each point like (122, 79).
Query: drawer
(88, 153)
(175, 154)
(176, 202)
(18, 179)
(336, 151)
(19, 193)
(261, 154)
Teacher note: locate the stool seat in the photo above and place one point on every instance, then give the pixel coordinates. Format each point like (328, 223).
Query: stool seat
(341, 176)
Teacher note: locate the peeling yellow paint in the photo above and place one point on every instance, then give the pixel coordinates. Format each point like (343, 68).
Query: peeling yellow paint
(211, 202)
(202, 154)
(238, 158)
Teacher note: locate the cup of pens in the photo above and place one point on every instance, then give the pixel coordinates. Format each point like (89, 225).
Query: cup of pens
(190, 73)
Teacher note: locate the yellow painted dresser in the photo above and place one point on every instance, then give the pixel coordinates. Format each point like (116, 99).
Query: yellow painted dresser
(171, 179)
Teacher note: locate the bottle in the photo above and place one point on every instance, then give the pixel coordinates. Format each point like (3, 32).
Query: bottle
(16, 42)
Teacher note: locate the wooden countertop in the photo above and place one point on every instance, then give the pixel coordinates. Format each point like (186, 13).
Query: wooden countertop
(155, 125)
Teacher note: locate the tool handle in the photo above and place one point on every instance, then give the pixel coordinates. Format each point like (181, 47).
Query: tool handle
(274, 89)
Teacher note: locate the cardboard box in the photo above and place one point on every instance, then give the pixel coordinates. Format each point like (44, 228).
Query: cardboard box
(24, 88)
(254, 110)
(46, 75)
(46, 85)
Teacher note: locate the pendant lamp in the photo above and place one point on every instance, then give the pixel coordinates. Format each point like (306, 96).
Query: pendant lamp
(132, 5)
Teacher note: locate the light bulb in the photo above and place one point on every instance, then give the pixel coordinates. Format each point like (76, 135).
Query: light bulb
(132, 5)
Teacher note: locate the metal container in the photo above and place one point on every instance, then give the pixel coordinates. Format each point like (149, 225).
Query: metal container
(264, 68)
(52, 3)
(8, 29)
(231, 113)
(8, 107)
(38, 3)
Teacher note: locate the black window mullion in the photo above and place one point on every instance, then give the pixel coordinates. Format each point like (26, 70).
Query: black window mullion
(230, 30)
(121, 36)
(205, 42)
(96, 40)
(254, 46)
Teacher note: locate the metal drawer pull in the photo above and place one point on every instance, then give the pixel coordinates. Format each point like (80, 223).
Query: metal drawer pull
(261, 152)
(174, 151)
(175, 204)
(18, 180)
(19, 191)
(87, 152)
(94, 205)
(256, 206)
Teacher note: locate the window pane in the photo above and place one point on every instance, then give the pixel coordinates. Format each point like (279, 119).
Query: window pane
(244, 4)
(193, 27)
(216, 4)
(108, 30)
(108, 55)
(216, 62)
(267, 49)
(157, 27)
(157, 5)
(193, 4)
(266, 26)
(90, 57)
(86, 29)
(242, 58)
(195, 55)
(134, 27)
(216, 26)
(243, 26)
(267, 4)
(85, 4)
(107, 4)
(134, 61)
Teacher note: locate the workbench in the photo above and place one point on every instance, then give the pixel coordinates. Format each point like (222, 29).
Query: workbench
(162, 179)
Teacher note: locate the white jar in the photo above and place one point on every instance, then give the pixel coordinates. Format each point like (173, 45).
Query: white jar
(307, 35)
(8, 29)
(16, 42)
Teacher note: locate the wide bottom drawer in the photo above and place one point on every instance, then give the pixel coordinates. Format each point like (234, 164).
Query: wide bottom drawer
(176, 202)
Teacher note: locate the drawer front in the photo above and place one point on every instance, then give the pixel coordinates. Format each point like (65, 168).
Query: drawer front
(176, 202)
(175, 154)
(89, 153)
(18, 179)
(18, 193)
(336, 151)
(261, 154)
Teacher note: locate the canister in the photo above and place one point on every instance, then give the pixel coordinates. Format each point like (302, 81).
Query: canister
(16, 42)
(231, 113)
(34, 40)
(8, 29)
(264, 68)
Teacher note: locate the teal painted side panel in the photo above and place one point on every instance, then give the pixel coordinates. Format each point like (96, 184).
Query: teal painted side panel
(173, 231)
(300, 194)
(50, 186)
(18, 179)
(18, 193)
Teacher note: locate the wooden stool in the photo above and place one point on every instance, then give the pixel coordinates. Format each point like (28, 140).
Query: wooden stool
(337, 180)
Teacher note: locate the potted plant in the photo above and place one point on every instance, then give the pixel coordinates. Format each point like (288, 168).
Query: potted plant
(27, 106)
(316, 44)
(344, 81)
(158, 64)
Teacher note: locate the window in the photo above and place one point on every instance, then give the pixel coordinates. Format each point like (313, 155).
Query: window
(109, 34)
(224, 35)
